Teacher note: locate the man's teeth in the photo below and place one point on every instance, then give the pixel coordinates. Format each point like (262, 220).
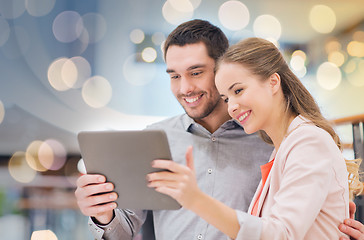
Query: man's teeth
(191, 100)
(242, 117)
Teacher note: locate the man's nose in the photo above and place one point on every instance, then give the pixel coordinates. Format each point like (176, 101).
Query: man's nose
(186, 86)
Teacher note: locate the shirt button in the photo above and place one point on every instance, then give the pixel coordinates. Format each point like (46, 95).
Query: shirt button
(213, 139)
(209, 170)
(199, 237)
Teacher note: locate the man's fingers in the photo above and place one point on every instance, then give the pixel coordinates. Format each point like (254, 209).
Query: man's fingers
(352, 209)
(87, 179)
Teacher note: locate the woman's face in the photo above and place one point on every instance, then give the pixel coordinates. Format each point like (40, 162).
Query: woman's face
(249, 99)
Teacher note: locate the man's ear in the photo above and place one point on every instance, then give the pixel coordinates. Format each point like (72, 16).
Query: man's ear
(275, 82)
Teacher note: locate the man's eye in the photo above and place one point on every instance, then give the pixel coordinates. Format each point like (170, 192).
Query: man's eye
(174, 77)
(196, 73)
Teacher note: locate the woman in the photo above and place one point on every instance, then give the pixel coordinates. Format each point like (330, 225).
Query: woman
(304, 189)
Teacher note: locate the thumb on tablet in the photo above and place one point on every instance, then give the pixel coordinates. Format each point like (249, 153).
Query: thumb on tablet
(189, 158)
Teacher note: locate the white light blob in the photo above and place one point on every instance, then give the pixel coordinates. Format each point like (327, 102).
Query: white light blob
(94, 24)
(174, 16)
(267, 26)
(322, 19)
(137, 36)
(67, 26)
(12, 9)
(328, 76)
(19, 168)
(81, 166)
(83, 71)
(234, 15)
(43, 235)
(55, 76)
(181, 5)
(39, 8)
(149, 54)
(97, 92)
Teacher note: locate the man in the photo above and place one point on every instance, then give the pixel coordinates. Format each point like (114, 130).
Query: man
(227, 160)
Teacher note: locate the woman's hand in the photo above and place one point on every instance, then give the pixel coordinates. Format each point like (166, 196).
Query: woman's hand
(180, 183)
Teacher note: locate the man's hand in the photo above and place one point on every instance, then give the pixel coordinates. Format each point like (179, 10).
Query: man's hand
(95, 197)
(351, 227)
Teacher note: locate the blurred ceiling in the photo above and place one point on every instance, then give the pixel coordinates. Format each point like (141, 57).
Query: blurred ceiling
(36, 110)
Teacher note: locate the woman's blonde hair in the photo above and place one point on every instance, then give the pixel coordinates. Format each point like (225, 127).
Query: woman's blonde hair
(355, 185)
(263, 59)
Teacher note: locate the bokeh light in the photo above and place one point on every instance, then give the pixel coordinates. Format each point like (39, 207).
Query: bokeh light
(356, 76)
(175, 16)
(12, 9)
(4, 30)
(55, 76)
(2, 112)
(52, 154)
(81, 166)
(69, 73)
(297, 63)
(356, 49)
(39, 8)
(19, 168)
(95, 25)
(97, 92)
(138, 74)
(322, 19)
(332, 45)
(182, 5)
(358, 36)
(137, 36)
(234, 15)
(83, 70)
(267, 27)
(337, 57)
(149, 54)
(328, 76)
(43, 235)
(67, 26)
(32, 156)
(158, 38)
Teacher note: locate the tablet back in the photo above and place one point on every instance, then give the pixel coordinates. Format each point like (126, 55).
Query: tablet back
(124, 157)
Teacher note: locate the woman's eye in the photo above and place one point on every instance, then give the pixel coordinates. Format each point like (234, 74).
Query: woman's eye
(196, 73)
(238, 91)
(226, 100)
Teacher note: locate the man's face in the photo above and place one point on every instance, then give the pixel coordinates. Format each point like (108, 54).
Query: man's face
(192, 77)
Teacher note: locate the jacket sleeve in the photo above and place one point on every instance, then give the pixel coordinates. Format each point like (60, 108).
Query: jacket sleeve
(125, 225)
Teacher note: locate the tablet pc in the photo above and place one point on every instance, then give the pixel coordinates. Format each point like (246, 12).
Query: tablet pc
(124, 157)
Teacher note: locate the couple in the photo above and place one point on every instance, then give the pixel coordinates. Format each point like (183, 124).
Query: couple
(306, 174)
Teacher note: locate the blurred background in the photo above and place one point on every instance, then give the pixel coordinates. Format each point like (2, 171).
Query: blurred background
(68, 66)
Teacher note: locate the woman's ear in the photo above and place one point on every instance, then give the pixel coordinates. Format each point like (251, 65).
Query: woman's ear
(275, 82)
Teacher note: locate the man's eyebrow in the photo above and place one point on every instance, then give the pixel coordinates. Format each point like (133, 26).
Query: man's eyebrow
(196, 66)
(188, 69)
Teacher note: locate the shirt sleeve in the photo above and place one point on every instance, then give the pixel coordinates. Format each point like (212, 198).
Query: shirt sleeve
(125, 225)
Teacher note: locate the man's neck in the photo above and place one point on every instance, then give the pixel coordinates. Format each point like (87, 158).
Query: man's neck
(216, 118)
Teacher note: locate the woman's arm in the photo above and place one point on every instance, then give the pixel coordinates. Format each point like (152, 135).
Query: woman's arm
(180, 183)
